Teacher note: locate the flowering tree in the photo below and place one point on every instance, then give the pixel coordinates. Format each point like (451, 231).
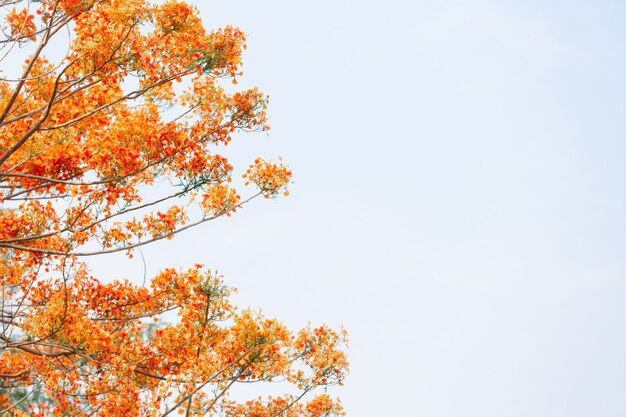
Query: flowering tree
(93, 119)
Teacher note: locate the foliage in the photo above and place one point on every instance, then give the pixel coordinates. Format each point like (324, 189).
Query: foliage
(101, 151)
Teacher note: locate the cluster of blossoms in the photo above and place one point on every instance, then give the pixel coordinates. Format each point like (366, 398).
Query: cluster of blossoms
(270, 177)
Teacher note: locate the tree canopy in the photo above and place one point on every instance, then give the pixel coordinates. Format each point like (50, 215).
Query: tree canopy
(109, 140)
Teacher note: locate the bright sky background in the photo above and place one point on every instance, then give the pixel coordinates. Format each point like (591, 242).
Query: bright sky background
(458, 201)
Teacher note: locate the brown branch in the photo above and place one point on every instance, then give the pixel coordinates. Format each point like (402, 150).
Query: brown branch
(95, 223)
(23, 347)
(127, 247)
(16, 375)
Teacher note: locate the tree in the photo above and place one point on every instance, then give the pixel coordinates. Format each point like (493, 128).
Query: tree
(103, 149)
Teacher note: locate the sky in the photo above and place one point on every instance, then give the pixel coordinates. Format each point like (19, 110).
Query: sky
(457, 204)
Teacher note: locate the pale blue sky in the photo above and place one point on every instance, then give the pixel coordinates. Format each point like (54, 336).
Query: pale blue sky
(458, 200)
